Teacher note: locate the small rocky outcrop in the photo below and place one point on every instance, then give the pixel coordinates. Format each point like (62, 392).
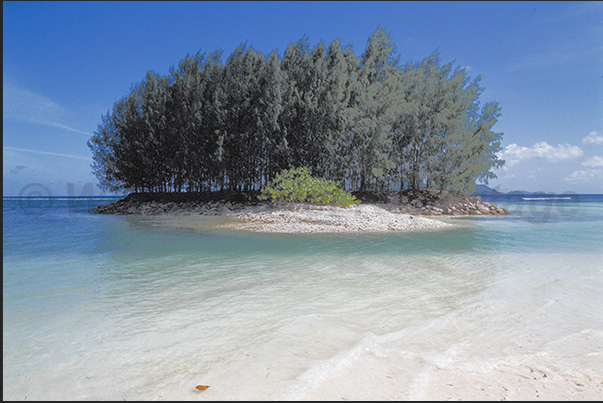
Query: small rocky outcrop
(218, 203)
(432, 202)
(199, 203)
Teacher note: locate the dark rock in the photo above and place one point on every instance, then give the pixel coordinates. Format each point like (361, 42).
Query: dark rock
(416, 203)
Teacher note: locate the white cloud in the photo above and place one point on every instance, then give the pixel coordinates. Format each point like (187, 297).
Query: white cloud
(582, 176)
(593, 137)
(594, 162)
(514, 153)
(507, 176)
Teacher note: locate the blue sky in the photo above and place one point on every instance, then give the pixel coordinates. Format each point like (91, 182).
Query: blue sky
(66, 63)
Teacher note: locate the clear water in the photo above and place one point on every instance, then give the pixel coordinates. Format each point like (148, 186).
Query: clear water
(112, 307)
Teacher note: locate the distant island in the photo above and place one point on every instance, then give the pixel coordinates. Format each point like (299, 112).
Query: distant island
(483, 190)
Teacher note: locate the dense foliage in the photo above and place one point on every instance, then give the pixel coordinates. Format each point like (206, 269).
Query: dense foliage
(367, 122)
(297, 185)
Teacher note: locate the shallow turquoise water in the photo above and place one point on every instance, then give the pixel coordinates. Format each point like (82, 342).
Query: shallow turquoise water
(109, 307)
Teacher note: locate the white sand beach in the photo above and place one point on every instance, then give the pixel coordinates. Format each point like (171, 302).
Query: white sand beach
(305, 218)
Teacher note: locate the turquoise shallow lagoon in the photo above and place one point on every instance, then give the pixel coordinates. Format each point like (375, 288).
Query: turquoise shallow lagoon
(123, 307)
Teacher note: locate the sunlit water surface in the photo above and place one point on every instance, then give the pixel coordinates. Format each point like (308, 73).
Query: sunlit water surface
(112, 307)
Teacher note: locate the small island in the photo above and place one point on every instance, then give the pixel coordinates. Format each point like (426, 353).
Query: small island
(317, 139)
(379, 211)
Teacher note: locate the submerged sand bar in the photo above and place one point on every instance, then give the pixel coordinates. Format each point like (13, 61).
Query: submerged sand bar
(306, 218)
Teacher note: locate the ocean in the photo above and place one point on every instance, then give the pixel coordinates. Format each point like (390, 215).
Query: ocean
(104, 307)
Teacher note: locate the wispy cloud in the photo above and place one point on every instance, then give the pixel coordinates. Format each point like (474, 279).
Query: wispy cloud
(26, 150)
(593, 137)
(553, 58)
(22, 104)
(514, 153)
(71, 129)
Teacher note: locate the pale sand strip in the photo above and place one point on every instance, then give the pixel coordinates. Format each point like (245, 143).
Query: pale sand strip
(304, 218)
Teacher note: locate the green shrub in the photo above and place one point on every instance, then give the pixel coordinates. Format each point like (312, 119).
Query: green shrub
(298, 186)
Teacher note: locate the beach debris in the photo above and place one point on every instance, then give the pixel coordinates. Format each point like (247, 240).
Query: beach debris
(201, 387)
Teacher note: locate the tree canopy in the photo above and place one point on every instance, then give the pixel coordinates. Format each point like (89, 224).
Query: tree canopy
(365, 122)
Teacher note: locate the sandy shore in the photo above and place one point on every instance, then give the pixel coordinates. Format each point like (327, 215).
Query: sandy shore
(504, 383)
(304, 218)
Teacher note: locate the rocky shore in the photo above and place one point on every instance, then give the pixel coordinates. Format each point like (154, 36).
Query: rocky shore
(220, 203)
(431, 203)
(379, 211)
